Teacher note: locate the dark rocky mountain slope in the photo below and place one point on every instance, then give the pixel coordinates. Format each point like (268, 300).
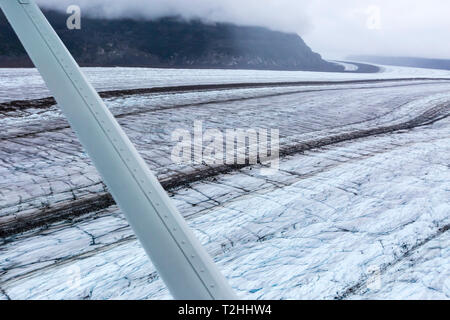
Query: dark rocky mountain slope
(171, 42)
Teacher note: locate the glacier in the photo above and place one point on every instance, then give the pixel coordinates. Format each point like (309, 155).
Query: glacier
(359, 209)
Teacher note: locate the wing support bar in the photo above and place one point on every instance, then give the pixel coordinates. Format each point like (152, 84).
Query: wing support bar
(181, 261)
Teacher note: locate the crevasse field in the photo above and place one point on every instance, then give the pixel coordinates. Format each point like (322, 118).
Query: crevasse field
(359, 208)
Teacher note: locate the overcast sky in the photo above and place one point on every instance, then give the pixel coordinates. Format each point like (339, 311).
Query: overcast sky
(334, 28)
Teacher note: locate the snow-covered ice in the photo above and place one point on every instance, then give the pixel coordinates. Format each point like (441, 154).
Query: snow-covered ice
(364, 204)
(21, 84)
(365, 217)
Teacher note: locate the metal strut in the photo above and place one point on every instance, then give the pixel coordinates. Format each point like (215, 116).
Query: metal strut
(181, 261)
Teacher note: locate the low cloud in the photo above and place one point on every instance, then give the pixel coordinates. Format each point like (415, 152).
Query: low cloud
(333, 28)
(283, 15)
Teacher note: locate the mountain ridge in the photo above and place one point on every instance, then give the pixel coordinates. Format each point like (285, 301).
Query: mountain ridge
(171, 43)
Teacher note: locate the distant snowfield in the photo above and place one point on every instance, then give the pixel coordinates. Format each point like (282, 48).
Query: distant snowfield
(24, 84)
(366, 218)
